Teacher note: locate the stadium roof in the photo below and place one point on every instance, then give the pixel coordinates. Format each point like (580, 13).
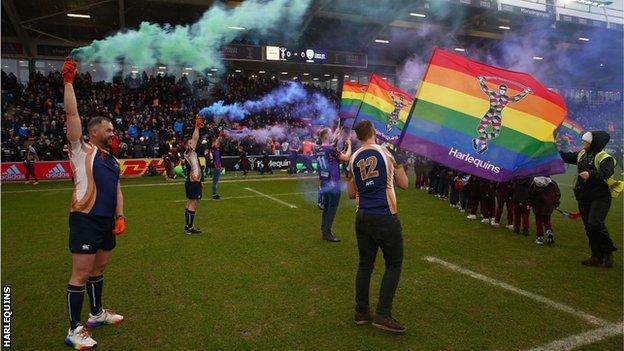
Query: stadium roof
(344, 25)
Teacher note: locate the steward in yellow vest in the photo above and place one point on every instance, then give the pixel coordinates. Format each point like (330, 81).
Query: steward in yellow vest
(593, 193)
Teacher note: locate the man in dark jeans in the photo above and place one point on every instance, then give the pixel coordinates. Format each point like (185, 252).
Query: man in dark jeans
(593, 194)
(328, 158)
(374, 172)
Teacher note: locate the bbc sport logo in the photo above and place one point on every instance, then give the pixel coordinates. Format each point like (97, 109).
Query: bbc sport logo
(13, 173)
(58, 171)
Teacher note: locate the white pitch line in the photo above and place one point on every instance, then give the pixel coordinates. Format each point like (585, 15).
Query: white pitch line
(253, 196)
(590, 337)
(258, 179)
(554, 304)
(272, 198)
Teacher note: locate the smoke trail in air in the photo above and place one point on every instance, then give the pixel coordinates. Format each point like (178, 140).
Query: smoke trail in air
(313, 106)
(197, 45)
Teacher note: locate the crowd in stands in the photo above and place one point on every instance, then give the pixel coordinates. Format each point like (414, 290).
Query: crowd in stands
(150, 114)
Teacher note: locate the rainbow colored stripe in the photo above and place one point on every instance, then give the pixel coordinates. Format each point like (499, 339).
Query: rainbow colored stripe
(450, 105)
(380, 104)
(351, 99)
(571, 126)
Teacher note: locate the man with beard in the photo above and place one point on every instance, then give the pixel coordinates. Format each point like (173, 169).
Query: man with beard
(96, 216)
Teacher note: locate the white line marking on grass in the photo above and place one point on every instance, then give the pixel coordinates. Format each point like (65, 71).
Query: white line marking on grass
(253, 196)
(272, 198)
(554, 304)
(170, 183)
(590, 337)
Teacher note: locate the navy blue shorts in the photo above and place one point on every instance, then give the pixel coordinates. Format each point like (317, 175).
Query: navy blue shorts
(89, 233)
(193, 190)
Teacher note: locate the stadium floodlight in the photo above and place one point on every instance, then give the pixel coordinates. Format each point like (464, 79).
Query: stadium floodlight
(326, 75)
(238, 71)
(583, 39)
(306, 74)
(346, 76)
(504, 27)
(261, 72)
(596, 3)
(214, 69)
(460, 49)
(162, 67)
(382, 41)
(334, 79)
(284, 72)
(421, 15)
(602, 65)
(77, 15)
(188, 68)
(538, 58)
(236, 28)
(135, 72)
(314, 78)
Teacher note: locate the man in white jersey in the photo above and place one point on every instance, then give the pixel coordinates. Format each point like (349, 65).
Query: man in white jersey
(193, 184)
(95, 218)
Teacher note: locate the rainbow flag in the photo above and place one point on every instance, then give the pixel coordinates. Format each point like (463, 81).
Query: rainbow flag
(351, 99)
(483, 120)
(570, 126)
(387, 107)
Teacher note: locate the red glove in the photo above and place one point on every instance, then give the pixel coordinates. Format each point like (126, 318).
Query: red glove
(120, 226)
(69, 70)
(199, 122)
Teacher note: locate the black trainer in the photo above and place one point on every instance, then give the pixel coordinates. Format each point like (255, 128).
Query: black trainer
(192, 230)
(331, 238)
(216, 197)
(550, 237)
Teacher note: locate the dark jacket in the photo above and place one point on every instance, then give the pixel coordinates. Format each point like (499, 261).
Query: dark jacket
(521, 191)
(544, 199)
(504, 191)
(486, 189)
(594, 188)
(475, 186)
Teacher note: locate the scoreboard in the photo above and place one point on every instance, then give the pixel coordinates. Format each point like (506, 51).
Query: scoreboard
(315, 56)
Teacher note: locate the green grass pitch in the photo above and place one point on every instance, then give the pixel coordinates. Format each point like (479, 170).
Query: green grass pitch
(260, 278)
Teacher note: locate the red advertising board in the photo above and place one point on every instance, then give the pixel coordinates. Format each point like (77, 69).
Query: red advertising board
(49, 170)
(45, 170)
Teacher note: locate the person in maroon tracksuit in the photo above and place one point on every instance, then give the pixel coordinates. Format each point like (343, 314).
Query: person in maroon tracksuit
(544, 198)
(486, 196)
(503, 199)
(474, 196)
(521, 205)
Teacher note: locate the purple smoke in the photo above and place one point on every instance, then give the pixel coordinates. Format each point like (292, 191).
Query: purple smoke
(314, 106)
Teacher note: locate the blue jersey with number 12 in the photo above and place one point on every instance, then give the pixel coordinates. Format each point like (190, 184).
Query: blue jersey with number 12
(372, 167)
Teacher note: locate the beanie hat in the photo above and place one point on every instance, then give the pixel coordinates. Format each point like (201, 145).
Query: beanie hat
(587, 137)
